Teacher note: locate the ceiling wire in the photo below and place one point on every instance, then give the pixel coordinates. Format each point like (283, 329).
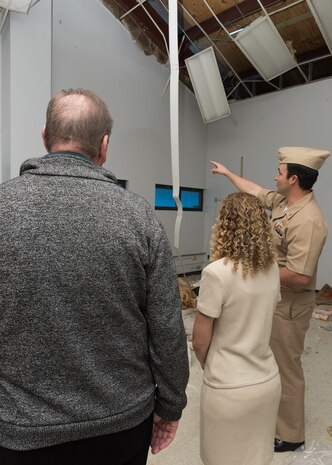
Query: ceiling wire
(241, 13)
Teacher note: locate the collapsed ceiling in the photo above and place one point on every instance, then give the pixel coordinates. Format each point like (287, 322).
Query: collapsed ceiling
(217, 23)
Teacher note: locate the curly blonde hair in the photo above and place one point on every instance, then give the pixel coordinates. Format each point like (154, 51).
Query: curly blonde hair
(242, 233)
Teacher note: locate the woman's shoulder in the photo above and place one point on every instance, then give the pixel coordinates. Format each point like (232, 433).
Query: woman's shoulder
(218, 267)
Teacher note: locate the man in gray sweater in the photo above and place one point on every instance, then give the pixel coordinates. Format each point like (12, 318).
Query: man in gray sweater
(93, 357)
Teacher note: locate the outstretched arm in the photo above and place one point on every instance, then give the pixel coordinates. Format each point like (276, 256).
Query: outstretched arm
(163, 433)
(243, 184)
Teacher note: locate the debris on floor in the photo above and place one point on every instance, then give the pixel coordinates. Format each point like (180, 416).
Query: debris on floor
(317, 454)
(324, 295)
(322, 312)
(327, 327)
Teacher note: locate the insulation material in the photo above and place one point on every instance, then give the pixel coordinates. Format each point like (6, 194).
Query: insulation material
(138, 36)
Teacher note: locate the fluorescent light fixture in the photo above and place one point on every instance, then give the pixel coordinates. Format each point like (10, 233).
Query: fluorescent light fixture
(322, 12)
(21, 6)
(262, 44)
(208, 87)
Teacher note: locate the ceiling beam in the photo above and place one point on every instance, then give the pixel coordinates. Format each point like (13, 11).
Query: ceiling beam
(232, 15)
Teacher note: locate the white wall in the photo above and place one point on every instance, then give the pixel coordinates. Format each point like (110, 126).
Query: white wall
(83, 45)
(93, 50)
(4, 113)
(79, 43)
(298, 116)
(26, 78)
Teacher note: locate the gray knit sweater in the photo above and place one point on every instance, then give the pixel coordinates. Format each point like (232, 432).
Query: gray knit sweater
(91, 334)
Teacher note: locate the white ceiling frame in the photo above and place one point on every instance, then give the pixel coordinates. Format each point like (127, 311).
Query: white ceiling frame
(269, 19)
(139, 3)
(286, 7)
(218, 51)
(312, 60)
(326, 36)
(156, 25)
(232, 39)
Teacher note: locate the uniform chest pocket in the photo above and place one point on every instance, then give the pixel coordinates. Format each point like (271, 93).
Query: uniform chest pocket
(279, 228)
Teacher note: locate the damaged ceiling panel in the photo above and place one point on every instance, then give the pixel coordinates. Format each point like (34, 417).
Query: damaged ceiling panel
(221, 24)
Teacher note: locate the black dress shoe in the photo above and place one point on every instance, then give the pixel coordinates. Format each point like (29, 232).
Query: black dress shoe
(284, 446)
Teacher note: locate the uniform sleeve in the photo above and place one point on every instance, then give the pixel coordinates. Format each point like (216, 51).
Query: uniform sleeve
(211, 294)
(305, 244)
(167, 339)
(269, 199)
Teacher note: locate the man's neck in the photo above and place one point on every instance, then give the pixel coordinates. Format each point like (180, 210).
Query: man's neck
(296, 196)
(65, 148)
(72, 148)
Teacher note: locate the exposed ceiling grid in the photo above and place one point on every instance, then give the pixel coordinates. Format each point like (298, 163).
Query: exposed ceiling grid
(203, 23)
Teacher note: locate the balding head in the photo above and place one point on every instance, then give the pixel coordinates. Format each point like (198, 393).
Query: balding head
(77, 120)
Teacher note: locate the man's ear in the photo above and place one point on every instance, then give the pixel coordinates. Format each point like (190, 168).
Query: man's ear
(293, 179)
(43, 137)
(103, 149)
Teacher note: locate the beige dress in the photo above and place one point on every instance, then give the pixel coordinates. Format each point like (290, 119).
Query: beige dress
(241, 384)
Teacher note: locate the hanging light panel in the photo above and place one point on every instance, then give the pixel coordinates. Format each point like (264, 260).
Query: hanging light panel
(262, 44)
(208, 86)
(21, 6)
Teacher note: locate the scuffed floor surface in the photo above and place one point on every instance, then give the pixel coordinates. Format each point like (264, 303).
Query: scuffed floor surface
(317, 363)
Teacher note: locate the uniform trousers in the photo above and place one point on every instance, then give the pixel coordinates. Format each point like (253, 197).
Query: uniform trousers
(290, 324)
(129, 447)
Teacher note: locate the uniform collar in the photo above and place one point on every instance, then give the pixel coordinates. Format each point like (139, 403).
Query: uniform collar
(297, 206)
(293, 209)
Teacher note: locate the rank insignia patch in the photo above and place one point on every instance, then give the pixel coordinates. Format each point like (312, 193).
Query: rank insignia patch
(279, 227)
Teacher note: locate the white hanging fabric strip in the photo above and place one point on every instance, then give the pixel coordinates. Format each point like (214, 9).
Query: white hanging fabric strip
(174, 115)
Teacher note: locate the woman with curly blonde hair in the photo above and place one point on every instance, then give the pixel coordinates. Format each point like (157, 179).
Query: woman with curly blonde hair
(238, 294)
